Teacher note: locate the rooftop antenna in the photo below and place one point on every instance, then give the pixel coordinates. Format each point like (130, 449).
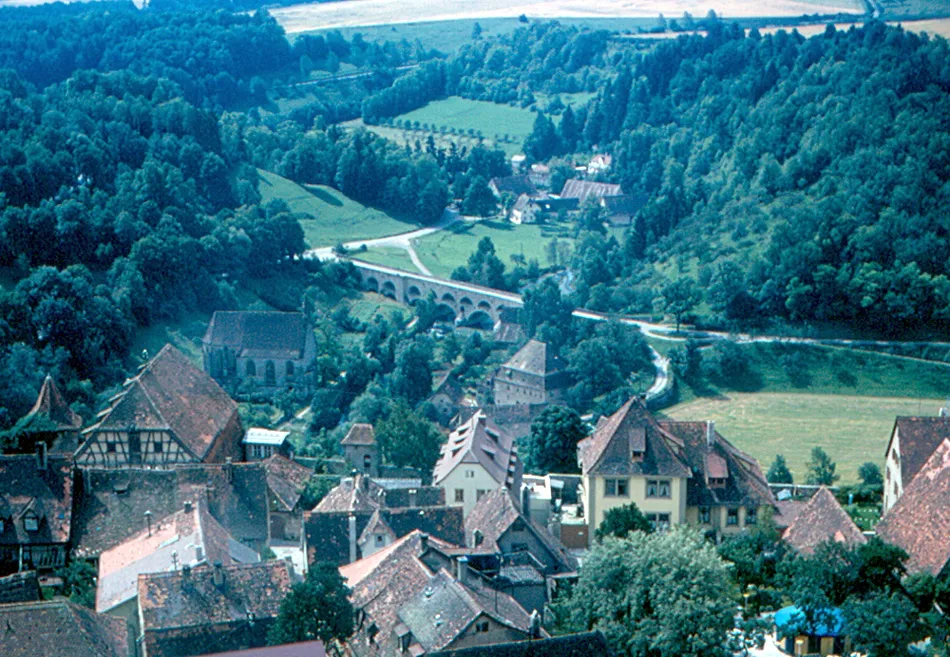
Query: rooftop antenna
(175, 560)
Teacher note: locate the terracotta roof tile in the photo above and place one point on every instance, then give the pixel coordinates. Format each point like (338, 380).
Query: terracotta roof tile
(171, 393)
(60, 629)
(822, 519)
(360, 434)
(919, 522)
(919, 438)
(286, 479)
(52, 410)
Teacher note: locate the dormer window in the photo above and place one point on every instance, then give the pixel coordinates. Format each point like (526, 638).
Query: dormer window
(637, 455)
(717, 483)
(31, 522)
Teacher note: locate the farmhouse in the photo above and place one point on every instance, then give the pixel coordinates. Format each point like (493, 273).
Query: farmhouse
(514, 185)
(533, 376)
(447, 398)
(478, 457)
(271, 350)
(170, 412)
(675, 472)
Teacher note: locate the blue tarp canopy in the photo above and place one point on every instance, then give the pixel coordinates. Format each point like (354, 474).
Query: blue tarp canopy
(828, 622)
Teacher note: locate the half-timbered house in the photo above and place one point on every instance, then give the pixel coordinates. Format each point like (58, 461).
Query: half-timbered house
(170, 412)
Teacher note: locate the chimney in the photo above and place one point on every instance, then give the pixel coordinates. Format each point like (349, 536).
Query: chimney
(188, 507)
(412, 497)
(461, 570)
(352, 527)
(423, 543)
(218, 574)
(710, 433)
(229, 469)
(199, 553)
(477, 538)
(41, 457)
(535, 631)
(148, 521)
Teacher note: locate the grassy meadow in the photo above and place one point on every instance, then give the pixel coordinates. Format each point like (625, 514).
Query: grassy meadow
(327, 216)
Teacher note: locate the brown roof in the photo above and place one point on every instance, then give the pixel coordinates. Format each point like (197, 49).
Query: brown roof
(821, 520)
(259, 334)
(171, 393)
(211, 614)
(481, 441)
(584, 189)
(51, 412)
(115, 501)
(25, 490)
(608, 450)
(535, 358)
(494, 515)
(508, 332)
(919, 438)
(448, 384)
(786, 511)
(587, 644)
(516, 185)
(20, 587)
(286, 479)
(60, 629)
(360, 434)
(919, 522)
(302, 649)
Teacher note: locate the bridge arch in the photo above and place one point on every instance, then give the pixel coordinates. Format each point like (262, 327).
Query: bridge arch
(448, 299)
(477, 319)
(413, 294)
(388, 289)
(371, 284)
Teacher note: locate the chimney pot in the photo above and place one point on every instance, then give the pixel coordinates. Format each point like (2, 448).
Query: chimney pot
(218, 575)
(188, 507)
(710, 432)
(461, 570)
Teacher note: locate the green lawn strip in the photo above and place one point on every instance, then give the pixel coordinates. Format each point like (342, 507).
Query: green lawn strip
(330, 217)
(387, 256)
(851, 429)
(491, 119)
(184, 334)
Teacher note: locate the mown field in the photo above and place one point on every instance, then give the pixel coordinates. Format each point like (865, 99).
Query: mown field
(845, 402)
(329, 216)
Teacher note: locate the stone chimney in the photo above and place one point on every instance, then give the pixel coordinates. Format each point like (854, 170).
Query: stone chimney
(218, 575)
(477, 538)
(423, 543)
(412, 497)
(710, 433)
(535, 631)
(352, 527)
(188, 507)
(42, 460)
(199, 553)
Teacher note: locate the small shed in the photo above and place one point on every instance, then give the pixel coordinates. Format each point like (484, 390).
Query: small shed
(260, 444)
(825, 634)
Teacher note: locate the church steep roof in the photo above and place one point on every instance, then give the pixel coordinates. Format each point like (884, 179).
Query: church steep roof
(51, 412)
(259, 334)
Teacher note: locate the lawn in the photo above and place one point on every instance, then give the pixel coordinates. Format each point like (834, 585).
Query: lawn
(387, 256)
(370, 305)
(851, 429)
(489, 119)
(403, 137)
(327, 216)
(442, 252)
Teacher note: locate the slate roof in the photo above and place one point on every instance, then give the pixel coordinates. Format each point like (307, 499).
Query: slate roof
(535, 358)
(481, 441)
(50, 412)
(745, 484)
(114, 501)
(516, 185)
(493, 516)
(585, 189)
(822, 519)
(286, 480)
(187, 537)
(919, 522)
(177, 600)
(259, 334)
(919, 438)
(328, 533)
(20, 587)
(171, 393)
(360, 434)
(60, 629)
(449, 385)
(48, 493)
(587, 644)
(608, 450)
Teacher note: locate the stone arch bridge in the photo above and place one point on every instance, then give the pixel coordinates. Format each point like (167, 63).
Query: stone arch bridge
(469, 304)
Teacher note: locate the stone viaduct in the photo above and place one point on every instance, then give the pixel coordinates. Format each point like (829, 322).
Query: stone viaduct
(470, 304)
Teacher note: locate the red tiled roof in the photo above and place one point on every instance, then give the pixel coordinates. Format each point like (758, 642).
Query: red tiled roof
(822, 519)
(919, 438)
(920, 522)
(171, 393)
(360, 434)
(286, 479)
(60, 629)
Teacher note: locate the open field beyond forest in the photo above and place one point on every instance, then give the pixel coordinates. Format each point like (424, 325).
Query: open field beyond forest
(331, 217)
(308, 17)
(852, 430)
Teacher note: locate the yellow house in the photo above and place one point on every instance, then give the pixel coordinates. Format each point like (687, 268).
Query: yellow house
(675, 472)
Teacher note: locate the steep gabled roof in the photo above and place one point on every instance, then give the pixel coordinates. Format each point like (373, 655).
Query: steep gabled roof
(25, 488)
(495, 513)
(919, 438)
(608, 450)
(711, 457)
(587, 644)
(259, 334)
(286, 479)
(535, 358)
(515, 185)
(584, 189)
(60, 629)
(376, 525)
(360, 434)
(50, 412)
(172, 394)
(480, 441)
(822, 519)
(448, 385)
(919, 522)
